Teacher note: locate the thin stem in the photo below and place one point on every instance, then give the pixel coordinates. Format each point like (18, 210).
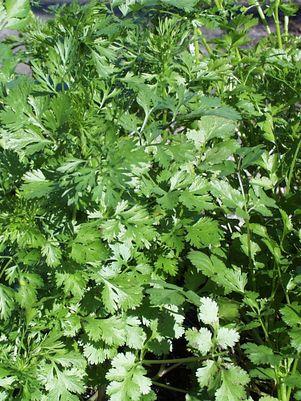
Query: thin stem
(266, 334)
(74, 212)
(292, 168)
(111, 7)
(9, 259)
(163, 371)
(196, 46)
(262, 17)
(250, 252)
(282, 285)
(249, 233)
(171, 388)
(286, 24)
(176, 360)
(160, 372)
(294, 369)
(190, 359)
(145, 121)
(277, 24)
(205, 43)
(203, 39)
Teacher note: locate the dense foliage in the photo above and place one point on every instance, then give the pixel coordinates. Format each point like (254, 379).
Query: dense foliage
(150, 203)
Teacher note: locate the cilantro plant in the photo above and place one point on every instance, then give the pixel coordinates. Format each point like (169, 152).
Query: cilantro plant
(150, 203)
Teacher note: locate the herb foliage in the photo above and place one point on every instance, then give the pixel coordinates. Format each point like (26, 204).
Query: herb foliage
(150, 203)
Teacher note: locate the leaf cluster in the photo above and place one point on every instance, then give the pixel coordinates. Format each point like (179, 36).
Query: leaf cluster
(150, 198)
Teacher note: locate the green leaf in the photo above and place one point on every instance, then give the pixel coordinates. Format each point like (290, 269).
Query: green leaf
(159, 296)
(97, 353)
(195, 201)
(52, 252)
(227, 338)
(72, 283)
(186, 5)
(122, 292)
(295, 335)
(36, 185)
(136, 208)
(250, 155)
(61, 384)
(204, 233)
(110, 330)
(87, 246)
(6, 301)
(293, 380)
(128, 381)
(230, 196)
(234, 379)
(261, 354)
(29, 283)
(291, 314)
(71, 325)
(135, 336)
(217, 127)
(231, 279)
(16, 13)
(17, 8)
(168, 265)
(207, 375)
(199, 340)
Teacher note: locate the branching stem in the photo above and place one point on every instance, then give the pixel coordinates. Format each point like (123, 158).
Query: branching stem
(175, 360)
(171, 388)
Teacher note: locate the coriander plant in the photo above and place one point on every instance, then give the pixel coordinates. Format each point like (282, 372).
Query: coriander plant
(150, 203)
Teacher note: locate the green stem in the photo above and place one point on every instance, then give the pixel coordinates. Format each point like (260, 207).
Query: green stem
(282, 285)
(111, 7)
(145, 121)
(206, 45)
(171, 388)
(219, 4)
(292, 168)
(283, 396)
(286, 24)
(262, 17)
(266, 334)
(196, 46)
(249, 236)
(10, 258)
(277, 24)
(176, 360)
(164, 371)
(204, 41)
(294, 369)
(74, 212)
(249, 233)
